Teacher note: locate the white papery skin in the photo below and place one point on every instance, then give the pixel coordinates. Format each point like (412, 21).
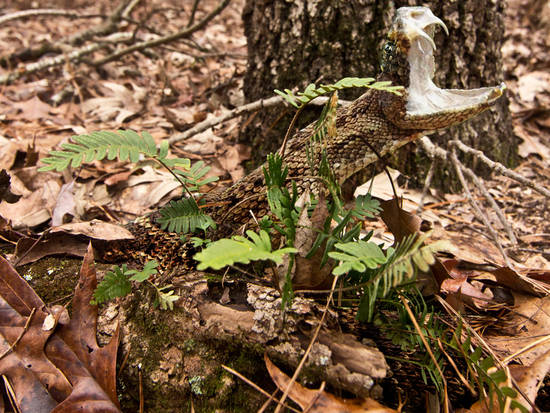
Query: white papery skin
(424, 96)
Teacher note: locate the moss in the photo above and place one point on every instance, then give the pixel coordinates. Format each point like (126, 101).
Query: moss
(52, 278)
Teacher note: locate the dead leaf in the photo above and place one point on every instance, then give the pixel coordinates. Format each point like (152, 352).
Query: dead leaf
(69, 239)
(231, 160)
(5, 190)
(400, 222)
(51, 372)
(80, 334)
(320, 401)
(32, 109)
(64, 205)
(95, 229)
(529, 321)
(118, 105)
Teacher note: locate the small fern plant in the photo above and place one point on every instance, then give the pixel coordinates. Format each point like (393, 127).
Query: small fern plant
(118, 283)
(127, 145)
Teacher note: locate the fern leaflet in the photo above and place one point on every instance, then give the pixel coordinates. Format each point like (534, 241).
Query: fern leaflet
(123, 144)
(238, 249)
(184, 216)
(115, 284)
(312, 91)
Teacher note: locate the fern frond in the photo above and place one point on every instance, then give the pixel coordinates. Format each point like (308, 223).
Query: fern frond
(492, 381)
(192, 175)
(96, 146)
(312, 91)
(166, 299)
(224, 252)
(357, 256)
(184, 216)
(399, 268)
(115, 284)
(365, 207)
(396, 267)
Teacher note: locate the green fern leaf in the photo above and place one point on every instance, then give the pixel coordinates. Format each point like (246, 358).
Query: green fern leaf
(166, 299)
(115, 284)
(365, 207)
(192, 175)
(150, 268)
(238, 249)
(311, 92)
(184, 216)
(357, 256)
(123, 144)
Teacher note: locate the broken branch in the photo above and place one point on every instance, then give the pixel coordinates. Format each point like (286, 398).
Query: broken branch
(165, 39)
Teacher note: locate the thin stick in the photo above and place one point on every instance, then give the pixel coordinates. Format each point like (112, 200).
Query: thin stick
(268, 401)
(477, 208)
(193, 12)
(165, 39)
(75, 55)
(498, 167)
(140, 384)
(255, 386)
(310, 346)
(289, 130)
(16, 342)
(241, 110)
(427, 184)
(494, 205)
(39, 12)
(428, 348)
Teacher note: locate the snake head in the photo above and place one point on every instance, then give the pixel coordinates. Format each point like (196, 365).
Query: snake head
(408, 57)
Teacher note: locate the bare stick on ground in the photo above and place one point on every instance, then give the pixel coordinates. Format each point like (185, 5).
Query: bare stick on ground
(165, 39)
(108, 26)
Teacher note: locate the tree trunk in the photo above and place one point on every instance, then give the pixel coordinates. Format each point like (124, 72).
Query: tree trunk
(291, 44)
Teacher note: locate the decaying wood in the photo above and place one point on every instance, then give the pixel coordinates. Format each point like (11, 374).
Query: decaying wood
(253, 320)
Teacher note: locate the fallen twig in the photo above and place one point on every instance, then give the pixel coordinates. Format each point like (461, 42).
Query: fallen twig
(18, 339)
(38, 12)
(477, 209)
(165, 39)
(308, 350)
(436, 151)
(498, 167)
(241, 110)
(494, 205)
(105, 28)
(75, 55)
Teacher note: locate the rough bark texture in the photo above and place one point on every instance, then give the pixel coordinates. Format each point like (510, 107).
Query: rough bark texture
(180, 352)
(291, 44)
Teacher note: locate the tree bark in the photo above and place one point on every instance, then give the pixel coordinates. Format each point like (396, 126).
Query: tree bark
(291, 44)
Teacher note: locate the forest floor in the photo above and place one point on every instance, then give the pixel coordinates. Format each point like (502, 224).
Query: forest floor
(169, 89)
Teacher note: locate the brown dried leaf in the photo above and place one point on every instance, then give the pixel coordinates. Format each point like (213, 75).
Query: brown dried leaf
(37, 383)
(71, 239)
(46, 369)
(80, 332)
(400, 222)
(5, 190)
(319, 401)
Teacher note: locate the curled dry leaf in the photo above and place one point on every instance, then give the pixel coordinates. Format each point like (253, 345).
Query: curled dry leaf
(55, 369)
(5, 190)
(320, 401)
